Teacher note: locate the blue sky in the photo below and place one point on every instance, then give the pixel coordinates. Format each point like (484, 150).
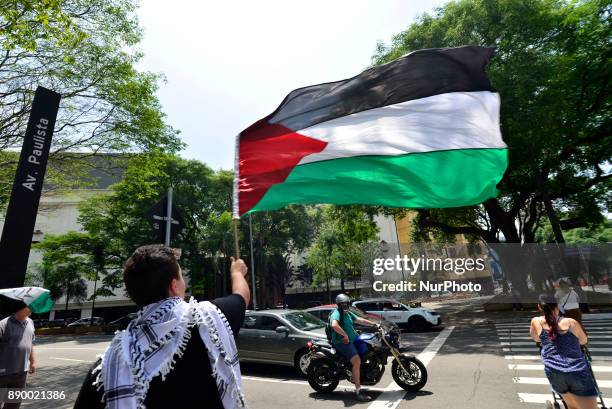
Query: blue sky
(228, 64)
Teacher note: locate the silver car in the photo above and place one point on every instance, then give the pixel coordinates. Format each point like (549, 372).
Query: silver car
(279, 337)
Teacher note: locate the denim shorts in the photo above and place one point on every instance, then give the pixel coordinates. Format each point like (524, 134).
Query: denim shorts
(579, 383)
(347, 350)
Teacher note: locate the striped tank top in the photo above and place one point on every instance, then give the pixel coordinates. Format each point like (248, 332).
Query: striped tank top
(563, 354)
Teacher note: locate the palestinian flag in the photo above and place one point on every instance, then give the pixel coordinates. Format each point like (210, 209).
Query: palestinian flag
(35, 298)
(419, 132)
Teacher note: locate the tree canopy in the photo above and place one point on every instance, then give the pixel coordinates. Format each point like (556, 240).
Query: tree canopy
(340, 248)
(552, 68)
(87, 51)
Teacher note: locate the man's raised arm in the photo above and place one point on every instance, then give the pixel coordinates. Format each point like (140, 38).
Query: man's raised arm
(239, 283)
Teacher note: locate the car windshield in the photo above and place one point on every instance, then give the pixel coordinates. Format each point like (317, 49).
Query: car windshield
(304, 321)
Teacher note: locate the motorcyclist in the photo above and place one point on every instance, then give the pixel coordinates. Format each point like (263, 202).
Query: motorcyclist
(343, 336)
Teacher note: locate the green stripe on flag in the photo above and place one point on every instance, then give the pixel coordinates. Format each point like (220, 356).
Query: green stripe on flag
(438, 179)
(42, 304)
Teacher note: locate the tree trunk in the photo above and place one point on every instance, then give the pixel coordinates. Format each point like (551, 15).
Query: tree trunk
(67, 295)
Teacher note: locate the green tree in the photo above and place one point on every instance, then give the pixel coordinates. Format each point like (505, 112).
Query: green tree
(201, 196)
(598, 234)
(71, 259)
(552, 69)
(87, 51)
(24, 22)
(339, 248)
(277, 237)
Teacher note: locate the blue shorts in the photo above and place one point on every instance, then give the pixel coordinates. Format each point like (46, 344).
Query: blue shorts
(579, 383)
(347, 350)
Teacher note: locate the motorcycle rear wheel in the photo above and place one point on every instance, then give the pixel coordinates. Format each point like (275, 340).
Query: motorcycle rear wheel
(321, 375)
(415, 379)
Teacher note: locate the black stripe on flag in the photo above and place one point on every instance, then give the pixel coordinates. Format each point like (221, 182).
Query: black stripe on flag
(416, 75)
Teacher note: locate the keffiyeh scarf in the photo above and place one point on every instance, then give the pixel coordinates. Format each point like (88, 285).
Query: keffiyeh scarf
(155, 339)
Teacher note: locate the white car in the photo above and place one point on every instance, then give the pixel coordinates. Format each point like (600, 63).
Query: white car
(414, 318)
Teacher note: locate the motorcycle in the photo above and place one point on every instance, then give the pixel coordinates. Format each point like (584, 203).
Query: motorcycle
(327, 366)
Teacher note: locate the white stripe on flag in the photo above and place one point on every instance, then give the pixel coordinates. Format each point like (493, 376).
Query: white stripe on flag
(456, 120)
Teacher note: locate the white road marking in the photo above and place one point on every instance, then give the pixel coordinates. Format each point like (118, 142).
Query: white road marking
(520, 349)
(532, 343)
(526, 322)
(538, 358)
(523, 327)
(393, 394)
(530, 367)
(544, 381)
(591, 337)
(543, 397)
(70, 359)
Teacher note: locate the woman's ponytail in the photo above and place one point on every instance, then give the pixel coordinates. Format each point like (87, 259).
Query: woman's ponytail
(548, 305)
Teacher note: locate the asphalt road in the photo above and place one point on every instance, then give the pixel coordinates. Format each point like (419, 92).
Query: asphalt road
(478, 360)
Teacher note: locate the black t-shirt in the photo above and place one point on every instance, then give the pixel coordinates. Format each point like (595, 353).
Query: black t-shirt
(190, 384)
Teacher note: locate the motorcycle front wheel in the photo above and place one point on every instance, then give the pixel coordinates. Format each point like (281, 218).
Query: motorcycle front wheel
(416, 377)
(322, 375)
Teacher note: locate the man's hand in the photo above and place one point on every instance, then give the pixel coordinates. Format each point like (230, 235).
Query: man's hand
(32, 367)
(238, 266)
(239, 284)
(345, 339)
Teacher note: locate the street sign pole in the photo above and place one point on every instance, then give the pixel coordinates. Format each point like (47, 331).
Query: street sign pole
(252, 263)
(168, 217)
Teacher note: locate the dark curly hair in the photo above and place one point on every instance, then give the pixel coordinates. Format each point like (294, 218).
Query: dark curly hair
(148, 273)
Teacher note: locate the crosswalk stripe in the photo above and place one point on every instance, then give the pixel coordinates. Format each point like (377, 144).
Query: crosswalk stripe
(532, 343)
(393, 394)
(536, 367)
(538, 358)
(543, 397)
(526, 327)
(544, 381)
(526, 322)
(523, 323)
(521, 349)
(591, 337)
(529, 319)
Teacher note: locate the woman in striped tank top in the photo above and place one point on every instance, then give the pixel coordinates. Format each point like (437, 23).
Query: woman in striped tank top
(564, 363)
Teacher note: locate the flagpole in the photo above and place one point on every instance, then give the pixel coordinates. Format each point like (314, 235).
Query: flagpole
(252, 263)
(236, 246)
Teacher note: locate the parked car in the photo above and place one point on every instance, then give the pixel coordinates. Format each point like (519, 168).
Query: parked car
(57, 323)
(279, 337)
(414, 318)
(322, 312)
(87, 321)
(120, 323)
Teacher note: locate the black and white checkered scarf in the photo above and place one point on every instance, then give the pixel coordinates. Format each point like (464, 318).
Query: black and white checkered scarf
(155, 339)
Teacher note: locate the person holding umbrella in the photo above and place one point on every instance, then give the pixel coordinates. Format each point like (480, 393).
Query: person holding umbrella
(17, 336)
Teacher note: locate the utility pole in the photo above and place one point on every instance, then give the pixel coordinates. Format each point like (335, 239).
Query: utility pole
(254, 295)
(399, 247)
(168, 217)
